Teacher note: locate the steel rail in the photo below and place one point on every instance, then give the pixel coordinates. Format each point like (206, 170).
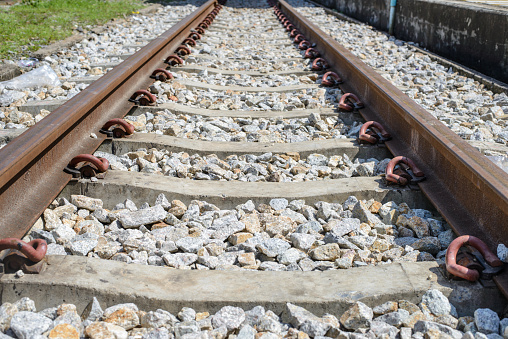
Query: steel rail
(469, 191)
(31, 166)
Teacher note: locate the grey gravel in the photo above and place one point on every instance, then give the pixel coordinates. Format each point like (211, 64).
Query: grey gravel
(135, 219)
(437, 303)
(486, 320)
(294, 322)
(270, 167)
(246, 129)
(27, 325)
(281, 235)
(230, 317)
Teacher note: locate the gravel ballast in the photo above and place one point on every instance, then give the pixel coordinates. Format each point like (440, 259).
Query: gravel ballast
(433, 317)
(283, 235)
(253, 168)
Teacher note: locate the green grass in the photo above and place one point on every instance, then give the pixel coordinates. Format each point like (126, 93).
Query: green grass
(26, 27)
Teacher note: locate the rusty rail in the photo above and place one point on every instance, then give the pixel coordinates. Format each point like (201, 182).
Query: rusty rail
(465, 187)
(31, 166)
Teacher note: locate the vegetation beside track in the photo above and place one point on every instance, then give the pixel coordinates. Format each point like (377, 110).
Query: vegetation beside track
(31, 24)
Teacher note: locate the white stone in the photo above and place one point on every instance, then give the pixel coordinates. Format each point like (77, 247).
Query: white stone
(486, 320)
(27, 325)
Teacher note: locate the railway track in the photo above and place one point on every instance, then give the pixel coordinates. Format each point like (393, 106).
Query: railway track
(241, 168)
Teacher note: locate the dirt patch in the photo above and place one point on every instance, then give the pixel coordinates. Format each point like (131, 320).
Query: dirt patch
(8, 71)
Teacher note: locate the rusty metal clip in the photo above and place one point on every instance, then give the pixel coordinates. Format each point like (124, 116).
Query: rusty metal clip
(195, 36)
(467, 259)
(91, 166)
(305, 44)
(122, 128)
(294, 33)
(173, 60)
(465, 267)
(333, 81)
(34, 250)
(299, 38)
(143, 98)
(319, 64)
(28, 257)
(374, 133)
(350, 102)
(409, 174)
(190, 42)
(161, 74)
(183, 50)
(200, 30)
(311, 53)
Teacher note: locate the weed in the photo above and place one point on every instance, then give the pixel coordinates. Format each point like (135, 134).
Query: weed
(32, 3)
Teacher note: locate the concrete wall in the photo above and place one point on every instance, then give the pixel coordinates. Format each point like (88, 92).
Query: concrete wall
(471, 34)
(373, 12)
